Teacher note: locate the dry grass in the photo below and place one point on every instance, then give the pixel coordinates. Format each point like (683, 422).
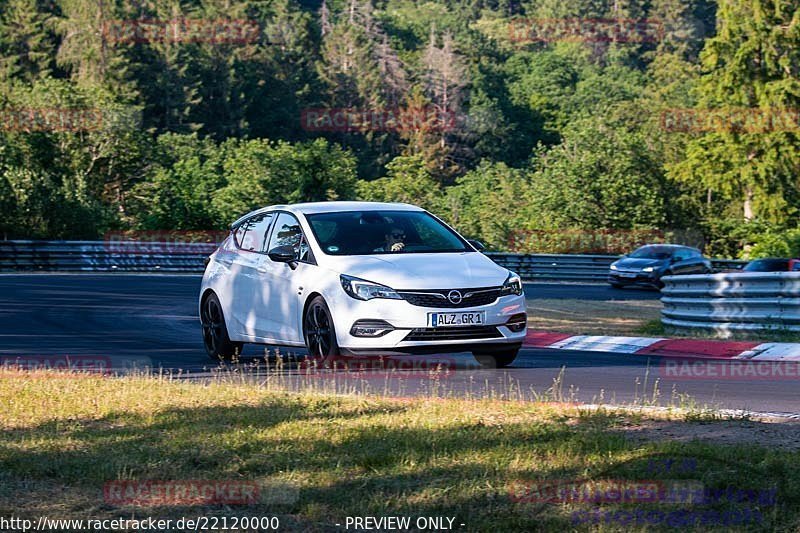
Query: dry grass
(590, 317)
(332, 456)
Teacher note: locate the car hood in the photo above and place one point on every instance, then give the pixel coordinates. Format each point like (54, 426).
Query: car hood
(423, 271)
(638, 264)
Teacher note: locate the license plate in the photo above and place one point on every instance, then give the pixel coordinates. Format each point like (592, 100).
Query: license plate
(627, 275)
(441, 320)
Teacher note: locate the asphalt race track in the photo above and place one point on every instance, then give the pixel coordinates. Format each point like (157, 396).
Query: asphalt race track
(152, 320)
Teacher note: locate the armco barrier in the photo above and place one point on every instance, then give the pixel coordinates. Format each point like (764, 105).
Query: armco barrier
(103, 256)
(134, 256)
(556, 267)
(733, 301)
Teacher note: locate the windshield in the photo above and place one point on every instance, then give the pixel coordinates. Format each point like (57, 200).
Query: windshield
(383, 232)
(653, 252)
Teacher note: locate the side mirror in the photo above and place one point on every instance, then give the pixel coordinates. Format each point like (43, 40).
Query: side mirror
(283, 254)
(478, 245)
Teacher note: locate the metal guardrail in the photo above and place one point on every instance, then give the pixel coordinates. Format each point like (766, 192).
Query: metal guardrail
(103, 256)
(135, 256)
(727, 265)
(556, 267)
(731, 302)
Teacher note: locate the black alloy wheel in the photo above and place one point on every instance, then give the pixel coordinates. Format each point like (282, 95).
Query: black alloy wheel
(319, 332)
(218, 344)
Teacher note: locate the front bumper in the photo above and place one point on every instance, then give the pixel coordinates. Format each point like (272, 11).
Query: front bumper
(411, 333)
(646, 279)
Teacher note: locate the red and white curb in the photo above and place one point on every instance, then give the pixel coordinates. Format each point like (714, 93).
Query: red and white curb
(683, 348)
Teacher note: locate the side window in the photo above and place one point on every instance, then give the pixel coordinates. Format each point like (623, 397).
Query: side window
(287, 232)
(251, 233)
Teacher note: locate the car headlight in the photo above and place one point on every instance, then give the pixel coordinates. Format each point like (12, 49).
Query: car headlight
(613, 267)
(512, 285)
(366, 290)
(648, 269)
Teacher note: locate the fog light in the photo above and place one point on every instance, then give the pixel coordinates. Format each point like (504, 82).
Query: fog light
(370, 328)
(517, 323)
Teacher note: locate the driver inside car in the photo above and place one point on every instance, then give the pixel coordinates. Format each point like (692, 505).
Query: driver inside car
(394, 241)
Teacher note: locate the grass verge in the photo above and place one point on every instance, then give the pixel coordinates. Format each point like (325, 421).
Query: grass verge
(655, 328)
(592, 317)
(321, 458)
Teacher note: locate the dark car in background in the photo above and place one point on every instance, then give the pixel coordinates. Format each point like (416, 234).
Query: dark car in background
(772, 264)
(647, 265)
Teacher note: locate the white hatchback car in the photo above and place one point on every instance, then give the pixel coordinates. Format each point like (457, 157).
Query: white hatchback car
(358, 278)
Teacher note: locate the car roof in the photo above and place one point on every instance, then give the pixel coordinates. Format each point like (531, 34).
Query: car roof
(311, 208)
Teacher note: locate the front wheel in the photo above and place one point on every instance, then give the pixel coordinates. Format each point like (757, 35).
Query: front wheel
(496, 359)
(319, 332)
(218, 344)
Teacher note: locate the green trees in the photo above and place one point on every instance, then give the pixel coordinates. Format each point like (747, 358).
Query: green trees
(407, 180)
(199, 184)
(605, 175)
(190, 131)
(491, 203)
(261, 172)
(749, 154)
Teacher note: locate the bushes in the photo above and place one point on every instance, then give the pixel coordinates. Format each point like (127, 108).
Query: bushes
(199, 184)
(775, 244)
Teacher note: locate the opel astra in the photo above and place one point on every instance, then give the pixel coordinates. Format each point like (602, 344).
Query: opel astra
(358, 278)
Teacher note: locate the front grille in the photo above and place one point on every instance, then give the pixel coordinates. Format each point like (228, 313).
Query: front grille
(453, 334)
(438, 298)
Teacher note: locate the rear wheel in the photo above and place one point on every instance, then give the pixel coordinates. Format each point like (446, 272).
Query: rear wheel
(496, 358)
(218, 344)
(318, 331)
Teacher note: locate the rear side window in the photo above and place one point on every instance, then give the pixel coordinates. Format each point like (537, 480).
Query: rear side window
(251, 233)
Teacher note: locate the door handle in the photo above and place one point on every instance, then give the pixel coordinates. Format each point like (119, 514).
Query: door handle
(262, 269)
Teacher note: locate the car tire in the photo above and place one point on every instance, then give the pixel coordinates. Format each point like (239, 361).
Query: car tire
(218, 344)
(615, 285)
(497, 358)
(319, 332)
